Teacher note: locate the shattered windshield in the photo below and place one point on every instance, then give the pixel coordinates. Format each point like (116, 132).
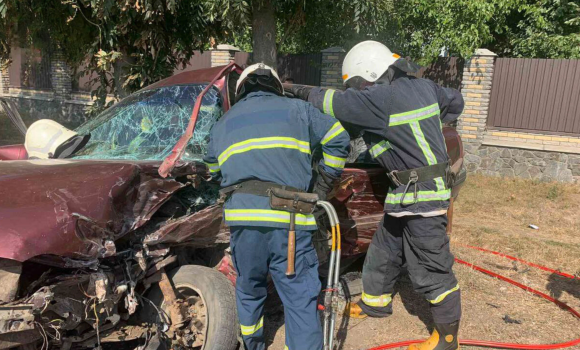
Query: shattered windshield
(147, 125)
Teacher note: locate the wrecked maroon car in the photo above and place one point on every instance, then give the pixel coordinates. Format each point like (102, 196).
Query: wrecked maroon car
(124, 242)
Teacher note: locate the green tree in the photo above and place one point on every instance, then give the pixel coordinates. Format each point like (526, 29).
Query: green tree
(298, 25)
(144, 40)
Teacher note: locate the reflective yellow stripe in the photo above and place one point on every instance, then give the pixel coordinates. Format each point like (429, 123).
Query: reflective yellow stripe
(422, 196)
(327, 104)
(423, 144)
(285, 347)
(213, 167)
(443, 295)
(249, 330)
(414, 115)
(379, 148)
(440, 184)
(264, 143)
(332, 133)
(267, 215)
(374, 300)
(332, 161)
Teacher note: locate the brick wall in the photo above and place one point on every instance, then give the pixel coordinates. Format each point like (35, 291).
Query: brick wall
(331, 73)
(5, 81)
(223, 55)
(61, 76)
(476, 90)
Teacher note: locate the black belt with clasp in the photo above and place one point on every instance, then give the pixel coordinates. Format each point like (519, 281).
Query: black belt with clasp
(413, 176)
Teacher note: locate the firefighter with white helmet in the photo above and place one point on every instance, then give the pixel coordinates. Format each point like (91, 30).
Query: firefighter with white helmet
(400, 117)
(46, 139)
(263, 144)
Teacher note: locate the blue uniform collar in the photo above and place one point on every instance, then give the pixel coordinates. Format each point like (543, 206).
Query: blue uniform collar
(257, 94)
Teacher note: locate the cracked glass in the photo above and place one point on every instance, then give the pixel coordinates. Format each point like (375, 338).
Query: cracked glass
(147, 125)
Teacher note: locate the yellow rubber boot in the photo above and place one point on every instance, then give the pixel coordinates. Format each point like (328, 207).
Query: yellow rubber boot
(353, 310)
(444, 337)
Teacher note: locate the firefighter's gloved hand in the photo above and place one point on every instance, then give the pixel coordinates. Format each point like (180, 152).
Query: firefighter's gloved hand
(324, 184)
(298, 91)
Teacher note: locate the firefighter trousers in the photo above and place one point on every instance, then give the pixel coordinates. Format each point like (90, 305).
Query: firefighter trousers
(423, 245)
(258, 251)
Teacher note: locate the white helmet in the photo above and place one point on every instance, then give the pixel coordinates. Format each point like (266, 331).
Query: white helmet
(368, 60)
(46, 139)
(264, 75)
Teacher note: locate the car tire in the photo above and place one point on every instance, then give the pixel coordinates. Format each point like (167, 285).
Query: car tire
(219, 297)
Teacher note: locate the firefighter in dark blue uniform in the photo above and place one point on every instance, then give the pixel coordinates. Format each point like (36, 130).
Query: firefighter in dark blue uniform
(266, 140)
(400, 119)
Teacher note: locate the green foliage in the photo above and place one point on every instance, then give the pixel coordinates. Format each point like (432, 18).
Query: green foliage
(128, 43)
(132, 43)
(541, 28)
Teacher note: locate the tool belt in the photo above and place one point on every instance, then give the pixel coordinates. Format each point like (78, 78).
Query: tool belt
(255, 187)
(413, 176)
(293, 202)
(286, 198)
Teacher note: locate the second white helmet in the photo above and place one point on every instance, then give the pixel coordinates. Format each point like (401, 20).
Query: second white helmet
(368, 60)
(46, 139)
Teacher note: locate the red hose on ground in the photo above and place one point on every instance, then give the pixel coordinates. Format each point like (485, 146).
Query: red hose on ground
(500, 345)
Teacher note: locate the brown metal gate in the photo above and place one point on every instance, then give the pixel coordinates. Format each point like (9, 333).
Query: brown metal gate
(536, 95)
(303, 68)
(446, 71)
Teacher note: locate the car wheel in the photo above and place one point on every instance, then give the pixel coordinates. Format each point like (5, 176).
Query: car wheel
(211, 299)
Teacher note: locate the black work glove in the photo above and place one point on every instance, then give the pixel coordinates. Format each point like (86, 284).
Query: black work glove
(324, 184)
(297, 91)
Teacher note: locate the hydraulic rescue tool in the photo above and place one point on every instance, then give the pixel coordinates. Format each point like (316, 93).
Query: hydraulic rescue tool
(331, 291)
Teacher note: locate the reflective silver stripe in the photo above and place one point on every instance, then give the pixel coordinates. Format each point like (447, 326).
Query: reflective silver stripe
(332, 161)
(336, 130)
(376, 300)
(264, 143)
(414, 115)
(213, 167)
(267, 215)
(442, 296)
(327, 104)
(423, 144)
(48, 145)
(379, 148)
(422, 196)
(249, 330)
(440, 184)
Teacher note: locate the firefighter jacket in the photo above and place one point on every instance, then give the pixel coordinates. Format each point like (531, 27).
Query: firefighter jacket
(401, 123)
(271, 138)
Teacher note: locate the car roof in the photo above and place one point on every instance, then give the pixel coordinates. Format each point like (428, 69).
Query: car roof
(190, 77)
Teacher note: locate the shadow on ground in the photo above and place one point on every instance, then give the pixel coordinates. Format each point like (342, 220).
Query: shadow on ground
(557, 285)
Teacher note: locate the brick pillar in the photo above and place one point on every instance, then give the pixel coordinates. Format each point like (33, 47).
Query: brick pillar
(4, 79)
(331, 73)
(60, 75)
(223, 55)
(476, 91)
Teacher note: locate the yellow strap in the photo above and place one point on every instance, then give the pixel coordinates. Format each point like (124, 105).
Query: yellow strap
(249, 330)
(442, 296)
(376, 300)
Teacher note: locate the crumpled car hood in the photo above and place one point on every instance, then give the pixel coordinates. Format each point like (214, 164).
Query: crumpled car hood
(76, 208)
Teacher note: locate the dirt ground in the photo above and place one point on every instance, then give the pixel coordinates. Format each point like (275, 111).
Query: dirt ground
(495, 214)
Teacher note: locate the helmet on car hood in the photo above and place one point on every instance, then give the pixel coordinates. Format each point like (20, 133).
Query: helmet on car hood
(46, 139)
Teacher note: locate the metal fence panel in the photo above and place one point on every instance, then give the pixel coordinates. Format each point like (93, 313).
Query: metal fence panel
(303, 68)
(536, 95)
(446, 71)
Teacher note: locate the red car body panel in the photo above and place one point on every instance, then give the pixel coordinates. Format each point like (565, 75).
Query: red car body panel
(13, 152)
(77, 208)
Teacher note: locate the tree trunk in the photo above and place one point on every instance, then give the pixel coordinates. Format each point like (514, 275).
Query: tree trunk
(264, 32)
